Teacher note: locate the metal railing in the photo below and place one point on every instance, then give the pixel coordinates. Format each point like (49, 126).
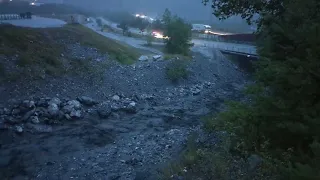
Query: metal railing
(227, 47)
(15, 16)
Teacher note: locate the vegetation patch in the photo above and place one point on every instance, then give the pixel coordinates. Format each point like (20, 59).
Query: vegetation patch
(215, 161)
(123, 53)
(31, 52)
(176, 70)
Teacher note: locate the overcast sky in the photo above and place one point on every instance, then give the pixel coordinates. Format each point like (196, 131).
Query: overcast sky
(192, 10)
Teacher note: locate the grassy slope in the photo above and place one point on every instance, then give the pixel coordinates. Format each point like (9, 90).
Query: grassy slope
(37, 49)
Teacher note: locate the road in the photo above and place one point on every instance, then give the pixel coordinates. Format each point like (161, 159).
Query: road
(137, 43)
(242, 48)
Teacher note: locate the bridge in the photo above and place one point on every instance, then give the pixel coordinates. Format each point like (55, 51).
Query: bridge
(229, 48)
(251, 56)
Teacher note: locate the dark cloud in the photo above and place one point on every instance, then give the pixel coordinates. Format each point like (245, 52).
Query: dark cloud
(192, 10)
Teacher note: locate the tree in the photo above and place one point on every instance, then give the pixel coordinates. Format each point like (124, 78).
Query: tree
(124, 26)
(166, 17)
(99, 22)
(179, 33)
(158, 25)
(286, 98)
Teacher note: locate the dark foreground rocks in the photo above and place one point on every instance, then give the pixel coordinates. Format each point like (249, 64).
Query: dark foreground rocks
(125, 127)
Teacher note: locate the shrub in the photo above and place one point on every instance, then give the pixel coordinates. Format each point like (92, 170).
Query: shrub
(282, 117)
(177, 70)
(179, 33)
(99, 22)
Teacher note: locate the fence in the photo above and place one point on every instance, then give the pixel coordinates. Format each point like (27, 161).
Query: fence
(15, 16)
(237, 49)
(237, 38)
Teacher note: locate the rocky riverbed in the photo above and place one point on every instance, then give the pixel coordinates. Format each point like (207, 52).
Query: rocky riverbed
(125, 125)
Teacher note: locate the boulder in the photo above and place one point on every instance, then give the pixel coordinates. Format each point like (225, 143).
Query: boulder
(87, 101)
(143, 58)
(75, 104)
(28, 104)
(156, 57)
(130, 108)
(34, 119)
(18, 129)
(28, 115)
(75, 114)
(104, 111)
(55, 100)
(116, 98)
(53, 109)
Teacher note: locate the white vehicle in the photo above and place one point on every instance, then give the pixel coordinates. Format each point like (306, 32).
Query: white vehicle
(200, 27)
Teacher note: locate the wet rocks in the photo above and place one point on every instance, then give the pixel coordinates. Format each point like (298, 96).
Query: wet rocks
(104, 111)
(34, 120)
(18, 129)
(87, 101)
(55, 100)
(34, 115)
(143, 58)
(115, 98)
(53, 109)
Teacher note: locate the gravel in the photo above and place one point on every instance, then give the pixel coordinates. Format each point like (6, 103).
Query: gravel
(125, 126)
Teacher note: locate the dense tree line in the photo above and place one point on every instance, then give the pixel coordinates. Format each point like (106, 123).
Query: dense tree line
(282, 119)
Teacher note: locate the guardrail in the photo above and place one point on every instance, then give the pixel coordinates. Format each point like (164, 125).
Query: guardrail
(228, 47)
(15, 16)
(218, 38)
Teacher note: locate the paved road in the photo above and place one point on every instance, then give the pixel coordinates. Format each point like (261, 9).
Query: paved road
(138, 43)
(36, 22)
(242, 48)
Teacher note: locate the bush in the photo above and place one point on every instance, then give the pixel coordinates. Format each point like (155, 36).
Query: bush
(282, 118)
(99, 22)
(124, 26)
(179, 33)
(177, 70)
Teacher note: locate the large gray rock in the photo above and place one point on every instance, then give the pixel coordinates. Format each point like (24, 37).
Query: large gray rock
(130, 108)
(75, 114)
(87, 101)
(156, 57)
(75, 104)
(143, 58)
(18, 129)
(28, 115)
(55, 100)
(71, 106)
(28, 104)
(116, 98)
(53, 109)
(104, 111)
(34, 119)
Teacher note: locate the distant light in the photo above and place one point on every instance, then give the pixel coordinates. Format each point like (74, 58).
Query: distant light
(32, 3)
(143, 16)
(137, 15)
